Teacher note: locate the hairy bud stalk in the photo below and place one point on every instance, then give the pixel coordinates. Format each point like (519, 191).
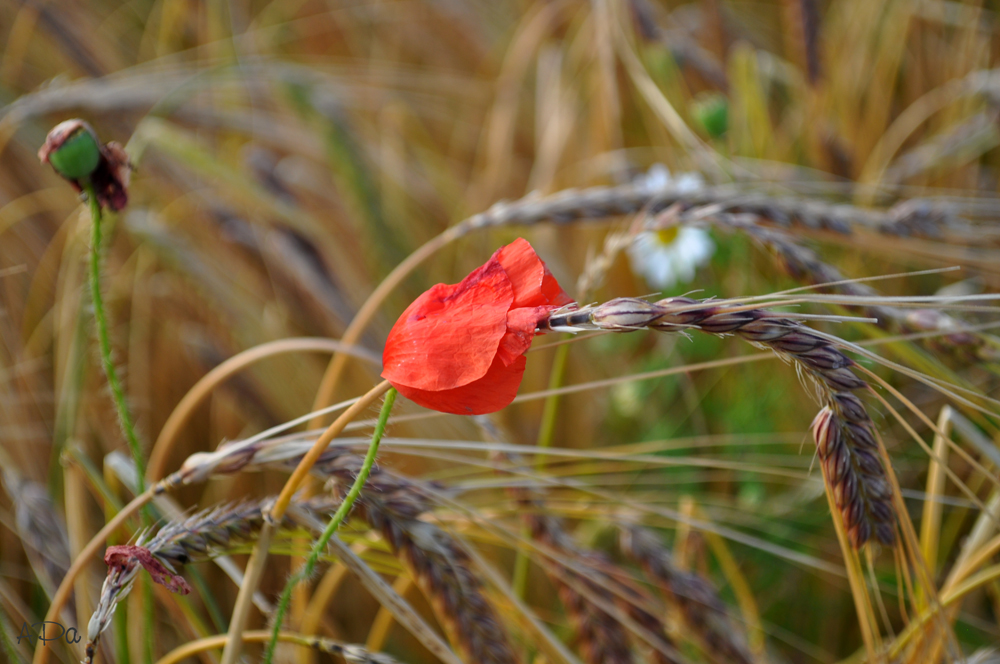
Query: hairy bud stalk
(857, 475)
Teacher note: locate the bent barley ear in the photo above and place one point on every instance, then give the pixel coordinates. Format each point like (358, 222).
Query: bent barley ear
(853, 470)
(843, 430)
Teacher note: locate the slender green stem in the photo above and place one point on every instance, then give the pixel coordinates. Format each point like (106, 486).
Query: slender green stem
(546, 431)
(104, 338)
(117, 393)
(331, 528)
(547, 428)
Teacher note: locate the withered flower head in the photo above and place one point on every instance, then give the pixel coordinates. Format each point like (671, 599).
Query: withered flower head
(73, 150)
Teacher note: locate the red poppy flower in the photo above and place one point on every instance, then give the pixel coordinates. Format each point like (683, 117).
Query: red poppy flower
(460, 348)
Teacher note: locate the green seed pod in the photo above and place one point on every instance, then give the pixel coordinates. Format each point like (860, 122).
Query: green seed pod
(72, 149)
(711, 111)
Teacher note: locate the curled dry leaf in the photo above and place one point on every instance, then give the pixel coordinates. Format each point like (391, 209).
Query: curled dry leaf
(123, 555)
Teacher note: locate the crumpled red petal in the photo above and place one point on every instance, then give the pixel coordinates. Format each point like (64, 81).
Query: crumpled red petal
(460, 349)
(521, 324)
(449, 335)
(533, 284)
(492, 392)
(117, 556)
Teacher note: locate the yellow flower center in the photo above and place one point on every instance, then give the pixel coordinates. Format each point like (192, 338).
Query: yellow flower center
(667, 236)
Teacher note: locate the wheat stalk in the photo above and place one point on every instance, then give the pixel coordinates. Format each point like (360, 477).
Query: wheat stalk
(696, 599)
(911, 217)
(589, 588)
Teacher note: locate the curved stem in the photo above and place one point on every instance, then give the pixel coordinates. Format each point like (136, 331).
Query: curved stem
(174, 425)
(338, 518)
(104, 338)
(187, 650)
(255, 567)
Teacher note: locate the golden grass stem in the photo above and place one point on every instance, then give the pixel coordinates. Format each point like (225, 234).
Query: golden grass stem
(378, 632)
(244, 599)
(930, 521)
(309, 460)
(743, 593)
(197, 394)
(180, 653)
(911, 543)
(854, 577)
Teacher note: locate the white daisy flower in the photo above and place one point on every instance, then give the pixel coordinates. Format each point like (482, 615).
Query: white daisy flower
(670, 256)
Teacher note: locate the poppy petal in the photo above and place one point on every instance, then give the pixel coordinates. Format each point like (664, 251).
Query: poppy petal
(552, 291)
(521, 324)
(533, 284)
(448, 336)
(494, 391)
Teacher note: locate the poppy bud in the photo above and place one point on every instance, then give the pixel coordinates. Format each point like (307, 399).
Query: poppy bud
(72, 149)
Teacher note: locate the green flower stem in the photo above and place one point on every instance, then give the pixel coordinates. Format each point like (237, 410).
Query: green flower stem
(104, 339)
(117, 393)
(331, 528)
(546, 431)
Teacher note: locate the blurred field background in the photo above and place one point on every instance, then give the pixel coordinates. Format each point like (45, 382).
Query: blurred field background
(290, 154)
